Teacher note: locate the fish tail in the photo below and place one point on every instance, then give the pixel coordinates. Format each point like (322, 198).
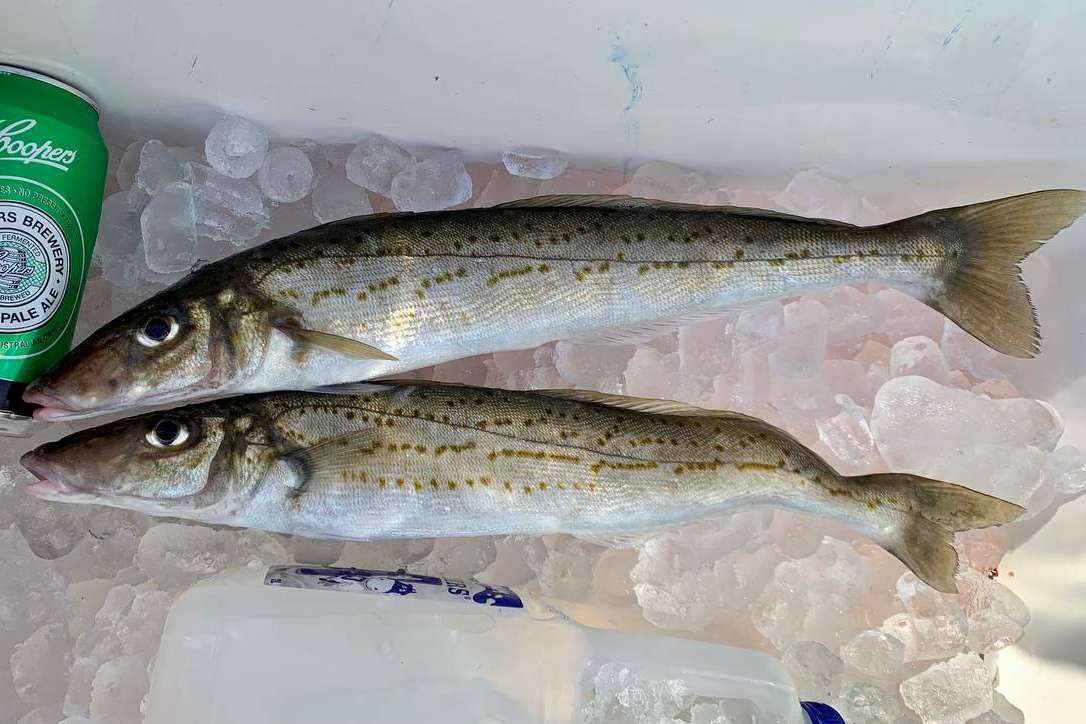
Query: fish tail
(984, 293)
(934, 511)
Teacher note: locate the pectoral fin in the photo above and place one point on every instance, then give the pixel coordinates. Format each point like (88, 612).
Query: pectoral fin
(335, 343)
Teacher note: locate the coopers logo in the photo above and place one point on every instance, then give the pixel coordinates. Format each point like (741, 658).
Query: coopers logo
(16, 146)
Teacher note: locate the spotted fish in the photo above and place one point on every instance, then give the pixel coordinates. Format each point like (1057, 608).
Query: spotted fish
(380, 295)
(421, 460)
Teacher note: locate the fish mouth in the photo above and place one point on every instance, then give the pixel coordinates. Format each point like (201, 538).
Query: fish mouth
(51, 485)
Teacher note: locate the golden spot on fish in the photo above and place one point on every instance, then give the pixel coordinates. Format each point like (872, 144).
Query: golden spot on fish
(592, 487)
(619, 256)
(678, 470)
(738, 253)
(906, 258)
(382, 483)
(604, 267)
(508, 274)
(791, 255)
(473, 238)
(418, 485)
(643, 269)
(723, 264)
(486, 481)
(756, 466)
(508, 485)
(776, 262)
(576, 486)
(452, 485)
(470, 482)
(804, 253)
(646, 465)
(433, 483)
(527, 489)
(874, 503)
(841, 259)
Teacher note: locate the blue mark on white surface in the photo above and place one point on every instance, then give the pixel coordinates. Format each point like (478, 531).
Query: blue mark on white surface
(621, 57)
(954, 31)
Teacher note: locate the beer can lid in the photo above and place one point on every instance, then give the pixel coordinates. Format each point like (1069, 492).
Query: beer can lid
(26, 72)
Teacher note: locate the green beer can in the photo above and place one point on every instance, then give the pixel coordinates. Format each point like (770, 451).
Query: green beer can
(52, 176)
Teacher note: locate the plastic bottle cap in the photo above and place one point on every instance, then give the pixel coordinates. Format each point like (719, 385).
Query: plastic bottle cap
(818, 713)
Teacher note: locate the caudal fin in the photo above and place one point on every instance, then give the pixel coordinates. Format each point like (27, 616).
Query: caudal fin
(934, 511)
(984, 293)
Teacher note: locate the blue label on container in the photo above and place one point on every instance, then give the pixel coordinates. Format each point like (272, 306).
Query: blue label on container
(392, 583)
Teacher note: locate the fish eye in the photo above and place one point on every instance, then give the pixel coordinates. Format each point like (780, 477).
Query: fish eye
(158, 329)
(167, 433)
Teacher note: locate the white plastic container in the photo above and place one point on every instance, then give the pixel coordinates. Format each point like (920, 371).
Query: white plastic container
(314, 644)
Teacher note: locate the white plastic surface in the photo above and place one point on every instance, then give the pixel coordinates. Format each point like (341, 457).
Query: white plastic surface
(886, 89)
(236, 651)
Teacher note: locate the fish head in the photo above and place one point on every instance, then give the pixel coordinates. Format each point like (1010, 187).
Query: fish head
(189, 463)
(178, 345)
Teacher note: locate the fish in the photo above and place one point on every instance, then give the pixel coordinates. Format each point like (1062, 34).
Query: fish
(410, 459)
(382, 295)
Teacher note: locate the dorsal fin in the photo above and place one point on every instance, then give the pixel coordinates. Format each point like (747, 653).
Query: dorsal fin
(604, 201)
(644, 404)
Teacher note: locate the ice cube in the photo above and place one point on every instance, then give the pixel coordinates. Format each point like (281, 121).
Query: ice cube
(432, 184)
(226, 208)
(965, 352)
(852, 315)
(127, 166)
(652, 374)
(31, 591)
(874, 653)
(563, 566)
(81, 720)
(848, 435)
(802, 345)
(157, 168)
(118, 689)
(39, 665)
(597, 367)
(742, 576)
(918, 422)
(873, 352)
(619, 695)
(51, 530)
(177, 555)
(905, 316)
(813, 193)
(236, 147)
(918, 356)
(141, 629)
(815, 670)
(458, 556)
(951, 691)
(335, 198)
(996, 616)
(1002, 712)
(667, 182)
(375, 162)
(257, 548)
(118, 237)
(537, 163)
(169, 229)
(1065, 471)
(185, 154)
(286, 175)
(861, 703)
